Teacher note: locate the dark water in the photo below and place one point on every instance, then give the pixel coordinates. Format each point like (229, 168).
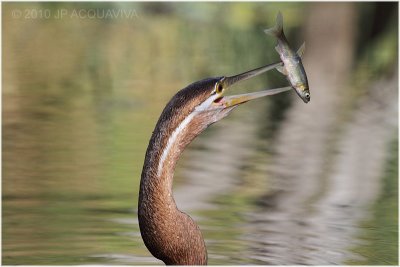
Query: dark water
(80, 99)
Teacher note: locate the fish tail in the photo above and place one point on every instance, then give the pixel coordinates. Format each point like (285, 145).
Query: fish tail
(277, 30)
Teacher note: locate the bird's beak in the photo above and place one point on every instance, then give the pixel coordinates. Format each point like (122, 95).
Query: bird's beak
(229, 81)
(235, 100)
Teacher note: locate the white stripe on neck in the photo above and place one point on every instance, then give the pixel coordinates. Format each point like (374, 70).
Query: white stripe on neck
(202, 107)
(172, 140)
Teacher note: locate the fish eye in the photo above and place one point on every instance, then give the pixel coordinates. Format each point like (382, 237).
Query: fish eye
(307, 95)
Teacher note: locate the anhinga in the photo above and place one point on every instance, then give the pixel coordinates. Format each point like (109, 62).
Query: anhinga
(169, 234)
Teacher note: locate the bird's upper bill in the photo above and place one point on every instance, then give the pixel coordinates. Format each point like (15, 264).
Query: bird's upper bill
(231, 101)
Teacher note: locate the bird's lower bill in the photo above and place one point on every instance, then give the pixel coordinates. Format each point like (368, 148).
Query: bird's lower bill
(230, 101)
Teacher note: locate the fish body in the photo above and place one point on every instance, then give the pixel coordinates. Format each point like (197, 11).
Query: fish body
(292, 65)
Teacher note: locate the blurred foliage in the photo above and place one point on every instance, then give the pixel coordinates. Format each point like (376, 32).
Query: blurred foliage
(376, 19)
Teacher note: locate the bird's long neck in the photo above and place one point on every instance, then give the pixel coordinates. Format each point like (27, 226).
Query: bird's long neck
(169, 234)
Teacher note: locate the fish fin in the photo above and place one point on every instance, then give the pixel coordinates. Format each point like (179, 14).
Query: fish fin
(282, 70)
(301, 50)
(277, 30)
(277, 48)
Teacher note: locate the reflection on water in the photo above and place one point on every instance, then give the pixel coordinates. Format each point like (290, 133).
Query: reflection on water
(81, 97)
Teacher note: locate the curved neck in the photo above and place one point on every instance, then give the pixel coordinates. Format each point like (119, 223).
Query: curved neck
(169, 234)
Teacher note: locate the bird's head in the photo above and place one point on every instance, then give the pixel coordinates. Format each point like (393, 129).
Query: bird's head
(205, 102)
(202, 103)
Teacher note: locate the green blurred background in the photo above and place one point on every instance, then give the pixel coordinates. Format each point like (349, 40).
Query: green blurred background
(277, 182)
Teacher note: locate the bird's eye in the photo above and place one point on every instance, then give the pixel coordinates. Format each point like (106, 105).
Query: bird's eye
(219, 88)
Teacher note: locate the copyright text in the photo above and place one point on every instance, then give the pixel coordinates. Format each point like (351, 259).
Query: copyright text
(92, 14)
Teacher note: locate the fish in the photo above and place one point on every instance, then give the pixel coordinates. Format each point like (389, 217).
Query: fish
(292, 67)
